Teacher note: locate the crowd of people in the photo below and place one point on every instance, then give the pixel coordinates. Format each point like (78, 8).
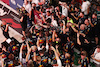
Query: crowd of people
(57, 28)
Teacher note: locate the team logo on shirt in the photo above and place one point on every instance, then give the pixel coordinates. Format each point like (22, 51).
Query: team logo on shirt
(14, 48)
(24, 46)
(45, 60)
(50, 39)
(3, 56)
(10, 64)
(41, 41)
(37, 34)
(67, 61)
(66, 48)
(54, 58)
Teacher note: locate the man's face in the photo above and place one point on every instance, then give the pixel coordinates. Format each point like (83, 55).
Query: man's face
(33, 4)
(82, 27)
(93, 16)
(64, 4)
(47, 13)
(67, 55)
(57, 8)
(86, 22)
(98, 49)
(81, 15)
(68, 18)
(76, 9)
(82, 56)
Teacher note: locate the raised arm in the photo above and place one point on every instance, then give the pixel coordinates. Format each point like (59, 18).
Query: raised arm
(20, 54)
(27, 45)
(64, 27)
(90, 22)
(84, 37)
(27, 56)
(57, 50)
(47, 45)
(38, 46)
(58, 14)
(52, 48)
(2, 62)
(57, 57)
(34, 56)
(74, 16)
(43, 25)
(75, 30)
(78, 40)
(21, 48)
(34, 48)
(53, 36)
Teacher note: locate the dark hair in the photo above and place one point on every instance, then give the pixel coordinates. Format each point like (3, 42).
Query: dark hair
(66, 1)
(84, 53)
(95, 14)
(48, 20)
(82, 12)
(98, 46)
(48, 11)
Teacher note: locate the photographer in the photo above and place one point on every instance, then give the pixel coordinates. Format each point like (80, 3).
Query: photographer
(23, 20)
(5, 29)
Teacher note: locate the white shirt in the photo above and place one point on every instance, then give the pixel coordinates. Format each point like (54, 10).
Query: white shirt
(85, 6)
(36, 2)
(54, 23)
(65, 11)
(59, 63)
(97, 56)
(95, 52)
(22, 59)
(27, 7)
